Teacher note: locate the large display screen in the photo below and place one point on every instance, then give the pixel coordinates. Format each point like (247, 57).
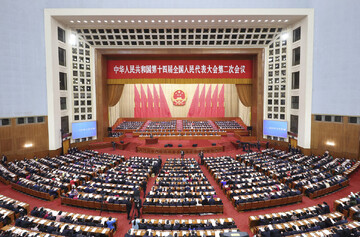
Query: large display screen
(83, 129)
(275, 128)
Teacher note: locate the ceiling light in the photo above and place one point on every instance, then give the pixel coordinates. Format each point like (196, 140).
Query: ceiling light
(212, 20)
(284, 36)
(146, 21)
(192, 20)
(132, 21)
(185, 20)
(219, 20)
(232, 20)
(199, 20)
(266, 20)
(166, 21)
(126, 21)
(159, 21)
(71, 21)
(206, 21)
(28, 145)
(246, 21)
(226, 21)
(99, 21)
(279, 20)
(329, 143)
(112, 21)
(78, 21)
(85, 21)
(119, 21)
(179, 20)
(259, 20)
(105, 21)
(286, 20)
(272, 20)
(252, 20)
(139, 21)
(152, 21)
(92, 21)
(239, 20)
(172, 21)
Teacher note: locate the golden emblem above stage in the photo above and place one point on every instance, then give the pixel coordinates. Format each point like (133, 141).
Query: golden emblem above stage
(179, 98)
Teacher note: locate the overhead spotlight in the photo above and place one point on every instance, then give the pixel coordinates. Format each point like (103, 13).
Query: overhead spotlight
(245, 20)
(172, 21)
(71, 21)
(212, 20)
(179, 21)
(166, 21)
(252, 20)
(266, 20)
(225, 20)
(112, 21)
(206, 21)
(329, 143)
(105, 21)
(159, 21)
(99, 21)
(199, 21)
(286, 20)
(219, 20)
(186, 21)
(126, 21)
(92, 21)
(27, 145)
(119, 21)
(132, 21)
(239, 20)
(85, 21)
(139, 21)
(192, 20)
(284, 36)
(78, 21)
(279, 20)
(152, 21)
(272, 20)
(259, 20)
(146, 21)
(232, 20)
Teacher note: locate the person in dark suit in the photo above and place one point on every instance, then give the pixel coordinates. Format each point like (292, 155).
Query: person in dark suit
(113, 145)
(3, 159)
(138, 207)
(128, 208)
(143, 186)
(182, 154)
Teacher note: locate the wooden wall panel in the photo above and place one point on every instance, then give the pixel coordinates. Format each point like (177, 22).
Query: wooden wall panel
(14, 137)
(345, 136)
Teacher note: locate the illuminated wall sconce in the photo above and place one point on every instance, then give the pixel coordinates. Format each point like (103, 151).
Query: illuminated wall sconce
(27, 145)
(330, 143)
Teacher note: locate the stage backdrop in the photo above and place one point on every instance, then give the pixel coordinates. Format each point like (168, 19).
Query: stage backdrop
(126, 107)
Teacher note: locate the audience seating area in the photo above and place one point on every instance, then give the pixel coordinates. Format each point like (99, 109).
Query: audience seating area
(181, 227)
(225, 125)
(247, 188)
(130, 125)
(349, 205)
(182, 188)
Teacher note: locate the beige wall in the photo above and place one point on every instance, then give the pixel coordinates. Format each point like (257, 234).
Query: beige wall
(125, 107)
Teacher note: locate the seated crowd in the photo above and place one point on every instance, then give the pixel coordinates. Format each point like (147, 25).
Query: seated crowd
(130, 125)
(224, 125)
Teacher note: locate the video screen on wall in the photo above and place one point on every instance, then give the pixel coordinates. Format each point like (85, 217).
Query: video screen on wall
(83, 129)
(275, 128)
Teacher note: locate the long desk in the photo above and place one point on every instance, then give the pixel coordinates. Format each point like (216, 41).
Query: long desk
(154, 140)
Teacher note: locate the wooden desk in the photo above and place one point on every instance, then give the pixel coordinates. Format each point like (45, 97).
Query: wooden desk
(154, 140)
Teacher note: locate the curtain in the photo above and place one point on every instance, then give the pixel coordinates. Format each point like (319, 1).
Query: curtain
(244, 93)
(114, 94)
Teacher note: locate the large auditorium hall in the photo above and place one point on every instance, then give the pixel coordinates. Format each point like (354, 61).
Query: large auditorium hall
(179, 118)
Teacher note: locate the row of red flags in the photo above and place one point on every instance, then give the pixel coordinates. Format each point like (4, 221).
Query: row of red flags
(155, 105)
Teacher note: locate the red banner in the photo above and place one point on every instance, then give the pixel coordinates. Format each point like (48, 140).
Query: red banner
(138, 69)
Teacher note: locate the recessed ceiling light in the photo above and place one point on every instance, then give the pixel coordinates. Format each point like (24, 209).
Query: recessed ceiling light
(78, 21)
(159, 21)
(27, 145)
(232, 20)
(166, 21)
(105, 21)
(226, 21)
(139, 21)
(239, 20)
(92, 21)
(119, 21)
(266, 20)
(206, 21)
(185, 20)
(146, 21)
(199, 20)
(192, 20)
(112, 21)
(252, 20)
(132, 21)
(259, 20)
(272, 20)
(279, 20)
(245, 20)
(85, 21)
(219, 20)
(126, 21)
(99, 21)
(179, 20)
(71, 21)
(212, 20)
(172, 21)
(286, 20)
(152, 21)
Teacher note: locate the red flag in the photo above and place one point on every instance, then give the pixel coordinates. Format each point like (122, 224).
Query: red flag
(214, 101)
(165, 111)
(208, 103)
(202, 103)
(144, 109)
(137, 111)
(194, 103)
(156, 103)
(150, 103)
(221, 113)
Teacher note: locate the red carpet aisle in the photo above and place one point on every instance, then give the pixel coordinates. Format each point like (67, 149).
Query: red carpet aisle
(241, 219)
